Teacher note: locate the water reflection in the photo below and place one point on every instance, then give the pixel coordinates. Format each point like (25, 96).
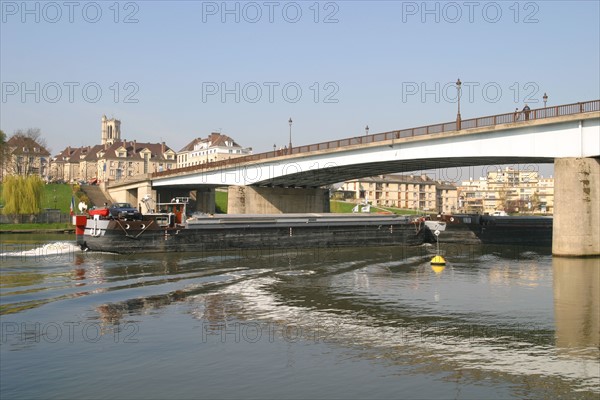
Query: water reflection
(405, 311)
(577, 304)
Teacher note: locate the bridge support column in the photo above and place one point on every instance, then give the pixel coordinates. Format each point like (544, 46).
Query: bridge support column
(576, 225)
(265, 200)
(145, 190)
(205, 200)
(142, 191)
(202, 199)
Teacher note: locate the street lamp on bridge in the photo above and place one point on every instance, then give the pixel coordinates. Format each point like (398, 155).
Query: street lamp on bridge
(367, 130)
(290, 144)
(545, 98)
(458, 119)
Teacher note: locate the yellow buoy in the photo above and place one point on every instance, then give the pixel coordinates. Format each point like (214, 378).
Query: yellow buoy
(438, 269)
(438, 260)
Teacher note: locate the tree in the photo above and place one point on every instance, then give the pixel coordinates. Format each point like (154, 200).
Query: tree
(502, 200)
(34, 134)
(22, 194)
(535, 202)
(3, 152)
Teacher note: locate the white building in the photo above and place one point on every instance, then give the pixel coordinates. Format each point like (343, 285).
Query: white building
(215, 147)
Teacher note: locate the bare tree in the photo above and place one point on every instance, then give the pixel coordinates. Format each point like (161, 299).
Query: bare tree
(3, 145)
(34, 134)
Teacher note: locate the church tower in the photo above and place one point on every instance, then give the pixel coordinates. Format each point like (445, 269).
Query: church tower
(111, 130)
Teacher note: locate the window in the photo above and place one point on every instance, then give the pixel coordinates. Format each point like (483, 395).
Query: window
(146, 159)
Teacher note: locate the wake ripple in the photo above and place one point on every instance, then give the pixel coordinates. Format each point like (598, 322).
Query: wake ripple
(48, 249)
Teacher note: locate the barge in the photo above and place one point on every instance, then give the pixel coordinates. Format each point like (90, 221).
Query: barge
(493, 229)
(171, 229)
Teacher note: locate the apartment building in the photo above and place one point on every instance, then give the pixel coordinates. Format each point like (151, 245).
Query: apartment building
(509, 190)
(404, 191)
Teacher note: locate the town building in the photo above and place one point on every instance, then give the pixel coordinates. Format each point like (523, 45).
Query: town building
(115, 159)
(24, 156)
(215, 147)
(75, 164)
(509, 190)
(404, 191)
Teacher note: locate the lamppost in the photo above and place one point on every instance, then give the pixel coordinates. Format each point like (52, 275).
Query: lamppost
(545, 98)
(274, 149)
(458, 120)
(290, 144)
(367, 130)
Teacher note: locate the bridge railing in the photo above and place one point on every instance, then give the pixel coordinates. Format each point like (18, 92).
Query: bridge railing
(513, 117)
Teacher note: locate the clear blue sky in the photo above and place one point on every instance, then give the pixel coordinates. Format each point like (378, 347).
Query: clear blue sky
(369, 62)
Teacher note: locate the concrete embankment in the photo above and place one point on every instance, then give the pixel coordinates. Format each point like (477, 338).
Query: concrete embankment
(64, 230)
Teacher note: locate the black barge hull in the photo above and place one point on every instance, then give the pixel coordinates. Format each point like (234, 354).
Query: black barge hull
(504, 230)
(230, 232)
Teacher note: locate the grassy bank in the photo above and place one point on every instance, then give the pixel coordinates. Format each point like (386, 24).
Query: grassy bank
(58, 195)
(399, 211)
(55, 195)
(340, 206)
(221, 202)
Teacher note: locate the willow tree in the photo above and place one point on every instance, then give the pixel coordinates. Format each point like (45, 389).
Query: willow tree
(22, 194)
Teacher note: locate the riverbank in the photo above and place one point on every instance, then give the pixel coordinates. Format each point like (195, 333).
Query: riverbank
(37, 228)
(65, 231)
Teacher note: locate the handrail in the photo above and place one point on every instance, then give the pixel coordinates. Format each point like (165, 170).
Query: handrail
(490, 120)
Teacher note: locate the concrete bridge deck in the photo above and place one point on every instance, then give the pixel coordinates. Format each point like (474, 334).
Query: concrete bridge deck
(548, 133)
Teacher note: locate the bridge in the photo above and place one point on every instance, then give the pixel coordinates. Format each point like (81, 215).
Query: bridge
(290, 181)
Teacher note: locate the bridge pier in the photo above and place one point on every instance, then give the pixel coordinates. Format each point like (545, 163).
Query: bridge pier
(269, 200)
(202, 199)
(576, 225)
(205, 199)
(142, 191)
(129, 194)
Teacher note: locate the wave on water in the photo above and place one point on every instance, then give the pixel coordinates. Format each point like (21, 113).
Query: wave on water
(55, 248)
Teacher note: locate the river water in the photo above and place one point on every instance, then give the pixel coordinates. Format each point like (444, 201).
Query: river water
(496, 322)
